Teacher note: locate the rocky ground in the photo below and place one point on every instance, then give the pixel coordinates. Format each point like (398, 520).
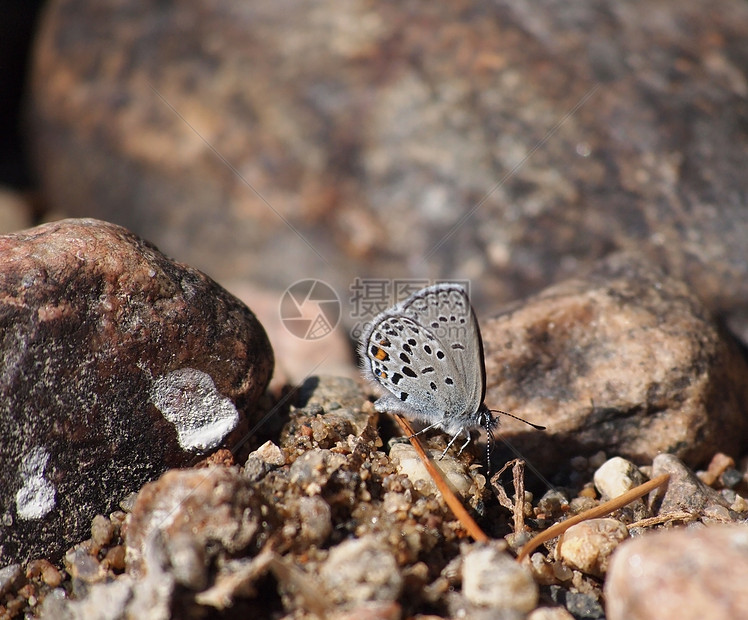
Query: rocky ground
(582, 168)
(337, 518)
(321, 508)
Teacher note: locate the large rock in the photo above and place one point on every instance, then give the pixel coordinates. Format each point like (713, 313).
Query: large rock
(687, 574)
(375, 129)
(624, 360)
(115, 364)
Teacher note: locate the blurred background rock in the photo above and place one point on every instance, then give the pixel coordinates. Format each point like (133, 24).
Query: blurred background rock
(508, 143)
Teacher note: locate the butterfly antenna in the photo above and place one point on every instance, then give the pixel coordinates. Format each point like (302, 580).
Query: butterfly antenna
(529, 464)
(511, 415)
(490, 442)
(517, 453)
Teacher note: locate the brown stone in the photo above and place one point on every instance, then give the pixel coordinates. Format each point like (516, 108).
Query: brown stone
(117, 363)
(195, 511)
(686, 574)
(625, 360)
(587, 546)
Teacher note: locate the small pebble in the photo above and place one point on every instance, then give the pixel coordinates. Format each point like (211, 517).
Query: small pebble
(44, 568)
(492, 578)
(83, 566)
(115, 558)
(562, 572)
(128, 502)
(583, 605)
(731, 478)
(271, 454)
(409, 463)
(740, 504)
(580, 504)
(550, 613)
(313, 469)
(118, 518)
(587, 546)
(553, 504)
(542, 569)
(255, 468)
(102, 530)
(361, 570)
(616, 476)
(719, 463)
(316, 520)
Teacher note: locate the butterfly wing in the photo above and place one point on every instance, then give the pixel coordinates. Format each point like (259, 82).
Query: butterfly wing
(428, 354)
(446, 309)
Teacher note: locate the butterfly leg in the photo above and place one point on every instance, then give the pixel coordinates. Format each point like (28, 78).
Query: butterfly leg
(423, 430)
(449, 445)
(467, 441)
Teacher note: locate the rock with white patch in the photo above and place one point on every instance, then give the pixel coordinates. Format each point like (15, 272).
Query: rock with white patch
(189, 399)
(116, 363)
(37, 495)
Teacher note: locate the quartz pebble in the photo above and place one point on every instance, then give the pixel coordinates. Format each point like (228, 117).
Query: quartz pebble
(587, 546)
(616, 476)
(409, 463)
(361, 570)
(492, 578)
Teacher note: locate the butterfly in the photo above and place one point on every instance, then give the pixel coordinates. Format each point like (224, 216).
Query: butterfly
(427, 353)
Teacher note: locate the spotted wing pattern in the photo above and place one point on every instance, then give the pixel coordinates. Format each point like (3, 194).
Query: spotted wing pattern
(427, 353)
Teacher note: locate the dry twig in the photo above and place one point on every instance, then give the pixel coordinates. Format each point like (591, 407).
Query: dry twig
(594, 513)
(450, 498)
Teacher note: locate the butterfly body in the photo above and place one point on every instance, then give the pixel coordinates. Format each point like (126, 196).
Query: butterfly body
(427, 353)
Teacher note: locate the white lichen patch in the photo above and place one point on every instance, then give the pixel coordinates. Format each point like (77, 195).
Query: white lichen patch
(188, 398)
(36, 497)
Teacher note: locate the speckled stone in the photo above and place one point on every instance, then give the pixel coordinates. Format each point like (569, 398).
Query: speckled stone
(192, 510)
(117, 363)
(624, 359)
(492, 578)
(686, 493)
(684, 573)
(361, 570)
